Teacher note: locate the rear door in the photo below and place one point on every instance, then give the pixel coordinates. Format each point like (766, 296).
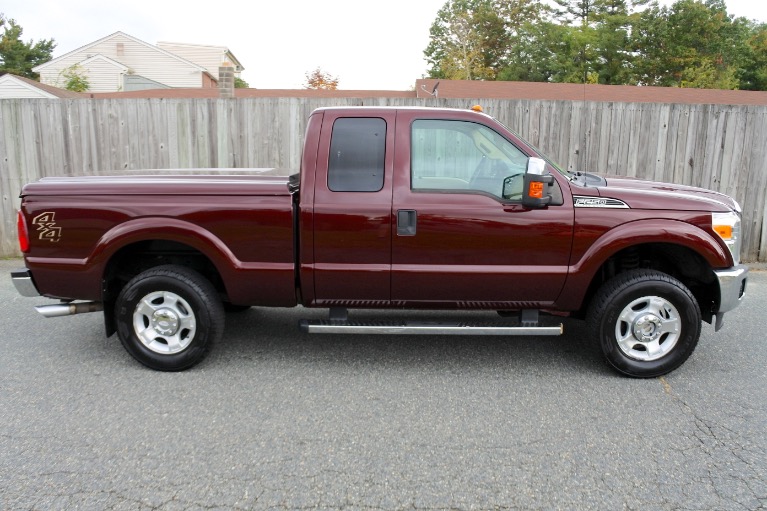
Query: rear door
(352, 209)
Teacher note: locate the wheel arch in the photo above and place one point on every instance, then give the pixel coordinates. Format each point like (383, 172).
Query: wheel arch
(679, 249)
(678, 261)
(136, 246)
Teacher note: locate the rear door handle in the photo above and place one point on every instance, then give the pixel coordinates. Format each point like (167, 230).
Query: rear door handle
(406, 222)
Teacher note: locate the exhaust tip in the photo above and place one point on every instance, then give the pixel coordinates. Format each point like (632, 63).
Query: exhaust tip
(69, 309)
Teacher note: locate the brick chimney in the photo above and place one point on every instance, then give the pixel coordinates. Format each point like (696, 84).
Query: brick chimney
(226, 80)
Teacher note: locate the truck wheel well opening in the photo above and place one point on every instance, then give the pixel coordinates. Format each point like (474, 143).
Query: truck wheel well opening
(138, 257)
(678, 261)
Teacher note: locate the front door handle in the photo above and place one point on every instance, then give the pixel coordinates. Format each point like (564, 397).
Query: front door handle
(406, 222)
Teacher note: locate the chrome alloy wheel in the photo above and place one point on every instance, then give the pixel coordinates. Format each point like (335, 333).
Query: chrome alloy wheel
(648, 328)
(164, 322)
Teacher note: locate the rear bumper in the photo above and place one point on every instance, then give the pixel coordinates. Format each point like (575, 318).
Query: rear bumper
(25, 285)
(732, 287)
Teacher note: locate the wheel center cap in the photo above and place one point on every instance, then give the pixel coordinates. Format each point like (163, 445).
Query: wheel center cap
(165, 322)
(647, 328)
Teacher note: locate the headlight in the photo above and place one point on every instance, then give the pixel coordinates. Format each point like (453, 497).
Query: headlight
(727, 226)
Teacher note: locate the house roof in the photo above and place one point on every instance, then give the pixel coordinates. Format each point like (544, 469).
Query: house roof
(224, 50)
(106, 59)
(589, 92)
(49, 90)
(111, 36)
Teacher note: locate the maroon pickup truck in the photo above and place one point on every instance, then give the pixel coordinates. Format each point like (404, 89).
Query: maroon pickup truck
(393, 208)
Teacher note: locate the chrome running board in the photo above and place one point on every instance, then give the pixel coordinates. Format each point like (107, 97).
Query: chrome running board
(421, 328)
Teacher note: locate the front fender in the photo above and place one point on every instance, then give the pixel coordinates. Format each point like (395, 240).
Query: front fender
(638, 232)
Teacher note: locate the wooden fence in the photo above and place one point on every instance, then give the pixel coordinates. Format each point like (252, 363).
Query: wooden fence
(720, 147)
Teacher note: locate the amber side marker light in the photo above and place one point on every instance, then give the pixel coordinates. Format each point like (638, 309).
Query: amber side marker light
(725, 231)
(21, 225)
(477, 108)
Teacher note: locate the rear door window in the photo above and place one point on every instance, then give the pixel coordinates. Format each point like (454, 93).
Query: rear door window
(357, 153)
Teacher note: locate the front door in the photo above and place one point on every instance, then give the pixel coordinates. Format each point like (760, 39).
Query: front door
(462, 237)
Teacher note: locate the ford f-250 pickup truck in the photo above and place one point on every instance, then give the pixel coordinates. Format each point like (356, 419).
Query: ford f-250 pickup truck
(393, 208)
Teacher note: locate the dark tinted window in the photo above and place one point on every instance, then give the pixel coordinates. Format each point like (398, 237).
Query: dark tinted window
(357, 150)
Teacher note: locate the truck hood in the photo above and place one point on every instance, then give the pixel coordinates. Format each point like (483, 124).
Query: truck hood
(641, 194)
(167, 182)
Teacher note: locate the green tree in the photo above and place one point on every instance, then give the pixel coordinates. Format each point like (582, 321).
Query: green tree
(754, 73)
(540, 55)
(650, 41)
(692, 43)
(614, 59)
(601, 46)
(532, 40)
(75, 79)
(468, 41)
(18, 57)
(239, 83)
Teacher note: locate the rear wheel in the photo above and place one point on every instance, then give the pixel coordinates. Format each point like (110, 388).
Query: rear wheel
(168, 317)
(647, 323)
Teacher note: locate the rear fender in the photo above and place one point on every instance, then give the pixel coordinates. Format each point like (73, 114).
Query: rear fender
(167, 229)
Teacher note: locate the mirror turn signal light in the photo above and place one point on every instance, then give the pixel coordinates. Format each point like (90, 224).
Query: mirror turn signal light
(536, 190)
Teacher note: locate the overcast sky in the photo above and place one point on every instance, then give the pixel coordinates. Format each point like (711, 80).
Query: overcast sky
(366, 44)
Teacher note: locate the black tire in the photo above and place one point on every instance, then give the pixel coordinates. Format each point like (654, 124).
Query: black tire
(647, 323)
(168, 317)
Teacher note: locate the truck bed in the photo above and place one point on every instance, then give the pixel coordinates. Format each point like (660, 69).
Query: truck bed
(239, 220)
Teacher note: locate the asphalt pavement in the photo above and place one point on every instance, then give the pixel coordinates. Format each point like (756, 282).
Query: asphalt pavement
(277, 419)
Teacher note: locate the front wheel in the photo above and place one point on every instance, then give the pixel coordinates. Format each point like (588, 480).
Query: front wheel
(168, 317)
(646, 322)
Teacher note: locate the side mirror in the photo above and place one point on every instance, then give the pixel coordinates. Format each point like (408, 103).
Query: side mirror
(535, 190)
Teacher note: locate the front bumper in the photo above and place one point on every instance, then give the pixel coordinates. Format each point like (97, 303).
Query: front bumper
(732, 289)
(22, 280)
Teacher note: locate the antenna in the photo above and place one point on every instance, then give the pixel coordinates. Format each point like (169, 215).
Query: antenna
(434, 92)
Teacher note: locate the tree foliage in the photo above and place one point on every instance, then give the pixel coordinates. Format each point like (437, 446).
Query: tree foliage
(75, 79)
(18, 57)
(691, 43)
(319, 79)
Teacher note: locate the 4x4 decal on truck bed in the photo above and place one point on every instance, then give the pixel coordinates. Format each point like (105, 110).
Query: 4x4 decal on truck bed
(46, 226)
